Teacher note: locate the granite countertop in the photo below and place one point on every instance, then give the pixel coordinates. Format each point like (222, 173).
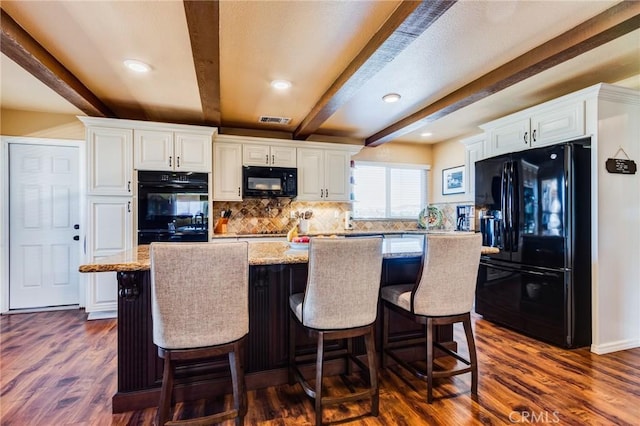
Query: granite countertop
(260, 253)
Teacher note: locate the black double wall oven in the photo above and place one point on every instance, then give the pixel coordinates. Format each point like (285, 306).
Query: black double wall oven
(172, 206)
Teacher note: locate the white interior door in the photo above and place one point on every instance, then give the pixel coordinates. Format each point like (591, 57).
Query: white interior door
(44, 186)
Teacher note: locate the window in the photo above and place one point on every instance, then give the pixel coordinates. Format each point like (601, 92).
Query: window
(388, 192)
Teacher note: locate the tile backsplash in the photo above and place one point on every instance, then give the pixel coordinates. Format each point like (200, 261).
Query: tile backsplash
(254, 216)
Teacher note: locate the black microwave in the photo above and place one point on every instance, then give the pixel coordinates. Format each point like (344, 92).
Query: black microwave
(269, 182)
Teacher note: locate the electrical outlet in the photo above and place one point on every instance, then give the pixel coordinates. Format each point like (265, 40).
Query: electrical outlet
(292, 214)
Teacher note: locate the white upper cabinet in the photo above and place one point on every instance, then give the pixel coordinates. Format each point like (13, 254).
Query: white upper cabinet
(561, 123)
(268, 155)
(172, 150)
(310, 174)
(540, 126)
(227, 172)
(110, 160)
(324, 174)
(153, 150)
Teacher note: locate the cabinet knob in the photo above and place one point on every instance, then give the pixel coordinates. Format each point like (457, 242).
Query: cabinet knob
(525, 136)
(326, 193)
(128, 186)
(169, 161)
(273, 159)
(128, 206)
(266, 158)
(321, 196)
(533, 135)
(177, 161)
(238, 191)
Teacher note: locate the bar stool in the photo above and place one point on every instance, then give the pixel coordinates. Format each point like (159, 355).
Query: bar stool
(340, 302)
(200, 310)
(443, 294)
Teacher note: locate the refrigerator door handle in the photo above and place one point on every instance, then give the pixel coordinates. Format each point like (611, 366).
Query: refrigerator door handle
(514, 206)
(504, 205)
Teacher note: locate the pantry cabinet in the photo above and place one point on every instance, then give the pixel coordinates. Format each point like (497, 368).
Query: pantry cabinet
(268, 155)
(227, 172)
(535, 128)
(473, 151)
(172, 150)
(324, 175)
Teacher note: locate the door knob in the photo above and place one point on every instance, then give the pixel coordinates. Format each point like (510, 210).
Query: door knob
(76, 238)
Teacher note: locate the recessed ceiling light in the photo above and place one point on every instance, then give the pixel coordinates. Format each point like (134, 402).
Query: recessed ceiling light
(280, 84)
(426, 134)
(391, 97)
(137, 66)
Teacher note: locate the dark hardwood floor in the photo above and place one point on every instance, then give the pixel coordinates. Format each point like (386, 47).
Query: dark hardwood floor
(58, 369)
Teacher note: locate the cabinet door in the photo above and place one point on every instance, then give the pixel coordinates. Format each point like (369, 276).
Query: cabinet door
(255, 155)
(310, 174)
(193, 152)
(153, 150)
(337, 175)
(283, 156)
(559, 124)
(109, 161)
(509, 138)
(110, 232)
(474, 151)
(227, 172)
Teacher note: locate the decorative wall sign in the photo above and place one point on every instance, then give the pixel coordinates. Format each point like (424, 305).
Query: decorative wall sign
(453, 180)
(621, 165)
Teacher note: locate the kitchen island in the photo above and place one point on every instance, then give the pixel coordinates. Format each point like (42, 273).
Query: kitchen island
(275, 272)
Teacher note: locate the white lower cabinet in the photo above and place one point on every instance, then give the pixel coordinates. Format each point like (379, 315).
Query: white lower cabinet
(110, 232)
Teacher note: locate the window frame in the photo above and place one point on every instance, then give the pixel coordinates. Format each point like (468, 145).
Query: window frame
(425, 168)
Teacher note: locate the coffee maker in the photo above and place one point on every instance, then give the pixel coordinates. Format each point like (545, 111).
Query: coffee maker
(465, 218)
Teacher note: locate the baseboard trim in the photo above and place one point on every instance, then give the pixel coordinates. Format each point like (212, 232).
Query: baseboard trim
(102, 315)
(42, 309)
(620, 345)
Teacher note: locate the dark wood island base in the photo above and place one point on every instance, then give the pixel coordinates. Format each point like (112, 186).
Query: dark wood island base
(266, 357)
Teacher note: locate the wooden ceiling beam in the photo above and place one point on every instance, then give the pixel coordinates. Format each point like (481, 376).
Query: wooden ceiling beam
(408, 21)
(615, 22)
(24, 50)
(203, 20)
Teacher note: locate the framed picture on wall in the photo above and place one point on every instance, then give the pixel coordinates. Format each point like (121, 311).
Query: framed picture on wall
(453, 180)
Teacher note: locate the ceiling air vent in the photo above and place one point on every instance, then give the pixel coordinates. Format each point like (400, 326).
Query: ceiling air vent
(274, 120)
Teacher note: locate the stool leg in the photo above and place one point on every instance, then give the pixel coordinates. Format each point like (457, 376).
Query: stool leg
(292, 347)
(472, 355)
(349, 367)
(429, 365)
(164, 407)
(385, 335)
(237, 379)
(369, 341)
(319, 365)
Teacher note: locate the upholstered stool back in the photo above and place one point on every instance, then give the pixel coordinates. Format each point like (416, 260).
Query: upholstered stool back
(343, 283)
(448, 281)
(199, 293)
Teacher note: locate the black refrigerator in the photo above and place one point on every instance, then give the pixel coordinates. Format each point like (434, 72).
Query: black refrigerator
(535, 206)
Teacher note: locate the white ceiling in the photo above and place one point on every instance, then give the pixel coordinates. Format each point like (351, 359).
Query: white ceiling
(309, 43)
